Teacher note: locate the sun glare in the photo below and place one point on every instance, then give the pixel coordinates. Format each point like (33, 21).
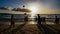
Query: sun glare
(33, 8)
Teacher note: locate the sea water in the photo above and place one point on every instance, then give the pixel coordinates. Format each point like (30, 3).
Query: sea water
(20, 17)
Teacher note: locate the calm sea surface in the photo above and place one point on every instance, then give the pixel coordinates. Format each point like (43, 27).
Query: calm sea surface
(20, 17)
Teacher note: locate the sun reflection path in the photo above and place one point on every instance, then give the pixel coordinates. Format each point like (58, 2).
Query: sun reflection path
(33, 11)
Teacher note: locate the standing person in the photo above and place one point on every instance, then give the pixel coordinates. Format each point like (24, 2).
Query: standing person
(56, 20)
(25, 17)
(39, 19)
(12, 21)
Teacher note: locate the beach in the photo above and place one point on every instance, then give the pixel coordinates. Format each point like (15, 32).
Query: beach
(30, 28)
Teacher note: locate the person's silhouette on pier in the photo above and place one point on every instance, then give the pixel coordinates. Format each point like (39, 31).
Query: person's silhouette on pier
(38, 19)
(12, 21)
(25, 17)
(56, 20)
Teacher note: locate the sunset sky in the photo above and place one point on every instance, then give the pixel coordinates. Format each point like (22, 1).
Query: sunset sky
(37, 5)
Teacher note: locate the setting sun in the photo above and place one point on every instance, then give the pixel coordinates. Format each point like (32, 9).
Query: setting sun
(33, 8)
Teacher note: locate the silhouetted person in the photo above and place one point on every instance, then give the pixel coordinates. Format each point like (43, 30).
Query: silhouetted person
(39, 22)
(56, 20)
(25, 17)
(39, 19)
(12, 20)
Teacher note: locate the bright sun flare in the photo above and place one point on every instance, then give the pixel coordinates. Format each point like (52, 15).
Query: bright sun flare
(33, 8)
